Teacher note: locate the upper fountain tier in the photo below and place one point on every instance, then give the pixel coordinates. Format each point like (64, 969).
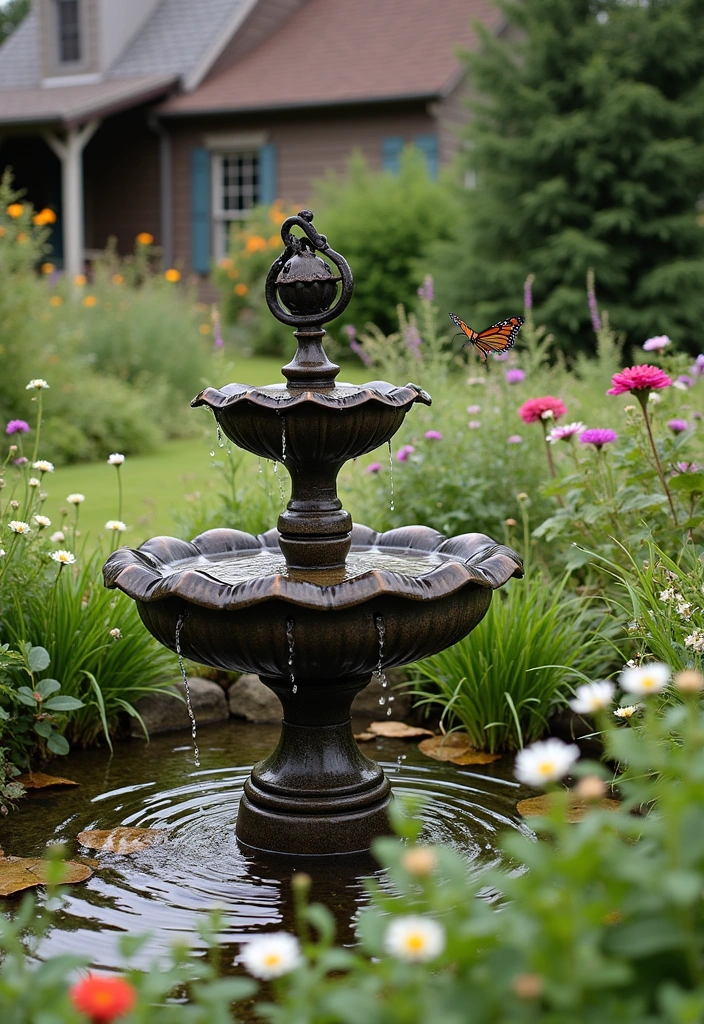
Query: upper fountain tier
(311, 424)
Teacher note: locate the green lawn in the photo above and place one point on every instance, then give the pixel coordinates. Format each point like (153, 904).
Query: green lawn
(155, 485)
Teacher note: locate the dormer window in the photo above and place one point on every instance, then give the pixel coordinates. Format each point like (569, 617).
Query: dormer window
(69, 31)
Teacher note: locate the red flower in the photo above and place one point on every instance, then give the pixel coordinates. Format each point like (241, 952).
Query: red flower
(102, 999)
(535, 409)
(638, 378)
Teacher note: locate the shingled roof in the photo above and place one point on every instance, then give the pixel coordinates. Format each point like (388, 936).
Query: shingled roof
(346, 51)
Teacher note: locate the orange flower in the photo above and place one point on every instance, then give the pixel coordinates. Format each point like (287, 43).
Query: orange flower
(117, 279)
(47, 268)
(45, 216)
(21, 238)
(55, 300)
(90, 300)
(205, 328)
(255, 243)
(275, 241)
(172, 275)
(241, 289)
(80, 280)
(276, 216)
(144, 238)
(15, 210)
(103, 999)
(225, 263)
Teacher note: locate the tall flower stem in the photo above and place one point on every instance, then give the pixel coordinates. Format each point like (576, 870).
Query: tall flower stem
(642, 397)
(35, 453)
(119, 493)
(548, 451)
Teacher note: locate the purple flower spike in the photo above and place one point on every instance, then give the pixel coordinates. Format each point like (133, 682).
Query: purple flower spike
(528, 292)
(698, 369)
(373, 467)
(17, 427)
(514, 439)
(427, 289)
(678, 426)
(351, 332)
(515, 376)
(403, 452)
(598, 437)
(433, 435)
(359, 351)
(592, 303)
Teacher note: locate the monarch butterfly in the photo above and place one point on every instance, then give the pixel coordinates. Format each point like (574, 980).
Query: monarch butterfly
(494, 339)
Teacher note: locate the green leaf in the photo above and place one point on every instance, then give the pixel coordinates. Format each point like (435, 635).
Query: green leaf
(63, 703)
(57, 744)
(688, 483)
(26, 696)
(47, 686)
(4, 716)
(38, 659)
(43, 728)
(645, 937)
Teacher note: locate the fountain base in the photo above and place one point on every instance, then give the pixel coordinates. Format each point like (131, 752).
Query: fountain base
(317, 793)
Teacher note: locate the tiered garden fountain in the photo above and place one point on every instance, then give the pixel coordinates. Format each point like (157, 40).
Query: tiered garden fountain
(318, 604)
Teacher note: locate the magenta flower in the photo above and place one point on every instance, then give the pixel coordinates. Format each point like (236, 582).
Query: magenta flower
(433, 435)
(17, 427)
(373, 467)
(514, 439)
(404, 451)
(598, 437)
(427, 290)
(677, 426)
(515, 376)
(656, 344)
(638, 378)
(687, 467)
(547, 407)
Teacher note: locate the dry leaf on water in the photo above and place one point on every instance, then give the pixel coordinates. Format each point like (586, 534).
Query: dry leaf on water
(17, 873)
(397, 730)
(577, 808)
(455, 747)
(121, 840)
(38, 780)
(364, 737)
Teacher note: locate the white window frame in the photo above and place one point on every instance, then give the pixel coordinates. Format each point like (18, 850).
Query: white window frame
(220, 217)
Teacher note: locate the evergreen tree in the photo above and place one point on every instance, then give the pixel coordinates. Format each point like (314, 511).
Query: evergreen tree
(588, 148)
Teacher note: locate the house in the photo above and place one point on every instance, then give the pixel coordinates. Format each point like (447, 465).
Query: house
(176, 116)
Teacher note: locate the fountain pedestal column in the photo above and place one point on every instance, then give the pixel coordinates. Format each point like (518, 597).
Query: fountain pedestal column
(317, 793)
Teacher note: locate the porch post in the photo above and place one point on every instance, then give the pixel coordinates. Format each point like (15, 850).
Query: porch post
(70, 153)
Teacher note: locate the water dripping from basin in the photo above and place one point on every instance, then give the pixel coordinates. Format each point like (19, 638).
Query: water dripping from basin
(199, 866)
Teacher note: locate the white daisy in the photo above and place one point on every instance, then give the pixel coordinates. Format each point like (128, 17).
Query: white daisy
(546, 761)
(64, 557)
(75, 499)
(592, 697)
(42, 521)
(116, 459)
(36, 384)
(43, 466)
(414, 939)
(628, 711)
(644, 679)
(58, 537)
(695, 640)
(115, 524)
(19, 527)
(271, 956)
(565, 432)
(33, 482)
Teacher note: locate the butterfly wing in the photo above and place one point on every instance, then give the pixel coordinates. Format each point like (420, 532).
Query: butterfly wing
(471, 335)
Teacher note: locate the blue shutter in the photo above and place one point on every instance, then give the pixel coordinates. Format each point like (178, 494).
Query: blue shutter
(267, 174)
(391, 148)
(200, 210)
(428, 145)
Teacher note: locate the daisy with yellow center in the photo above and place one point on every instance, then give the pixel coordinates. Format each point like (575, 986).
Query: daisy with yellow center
(414, 939)
(271, 956)
(545, 762)
(63, 557)
(628, 711)
(17, 526)
(645, 679)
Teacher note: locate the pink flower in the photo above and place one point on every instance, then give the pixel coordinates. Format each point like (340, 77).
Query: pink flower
(638, 378)
(565, 432)
(17, 427)
(677, 426)
(514, 439)
(686, 467)
(373, 467)
(403, 452)
(598, 437)
(535, 409)
(515, 376)
(698, 369)
(474, 424)
(474, 409)
(433, 435)
(656, 344)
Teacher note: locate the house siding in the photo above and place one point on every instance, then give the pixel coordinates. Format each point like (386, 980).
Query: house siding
(307, 144)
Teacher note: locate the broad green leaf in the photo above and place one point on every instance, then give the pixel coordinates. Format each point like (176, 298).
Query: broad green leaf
(38, 659)
(44, 729)
(58, 744)
(63, 703)
(689, 483)
(26, 696)
(47, 686)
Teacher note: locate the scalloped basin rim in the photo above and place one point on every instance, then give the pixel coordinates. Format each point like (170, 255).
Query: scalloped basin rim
(342, 395)
(468, 558)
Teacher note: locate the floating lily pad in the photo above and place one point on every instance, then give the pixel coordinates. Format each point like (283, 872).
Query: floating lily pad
(577, 807)
(455, 747)
(18, 873)
(38, 780)
(121, 840)
(397, 730)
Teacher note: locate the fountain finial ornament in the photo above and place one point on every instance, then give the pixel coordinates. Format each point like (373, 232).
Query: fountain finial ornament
(319, 604)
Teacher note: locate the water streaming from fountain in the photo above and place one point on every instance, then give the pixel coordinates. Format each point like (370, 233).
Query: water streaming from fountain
(179, 626)
(291, 655)
(218, 434)
(379, 672)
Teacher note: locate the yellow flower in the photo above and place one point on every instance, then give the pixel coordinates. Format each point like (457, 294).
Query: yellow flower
(80, 280)
(90, 300)
(172, 275)
(275, 241)
(47, 268)
(255, 243)
(144, 238)
(205, 328)
(117, 279)
(21, 238)
(240, 289)
(225, 263)
(55, 300)
(15, 210)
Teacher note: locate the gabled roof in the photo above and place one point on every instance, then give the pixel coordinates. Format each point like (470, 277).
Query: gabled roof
(346, 51)
(75, 104)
